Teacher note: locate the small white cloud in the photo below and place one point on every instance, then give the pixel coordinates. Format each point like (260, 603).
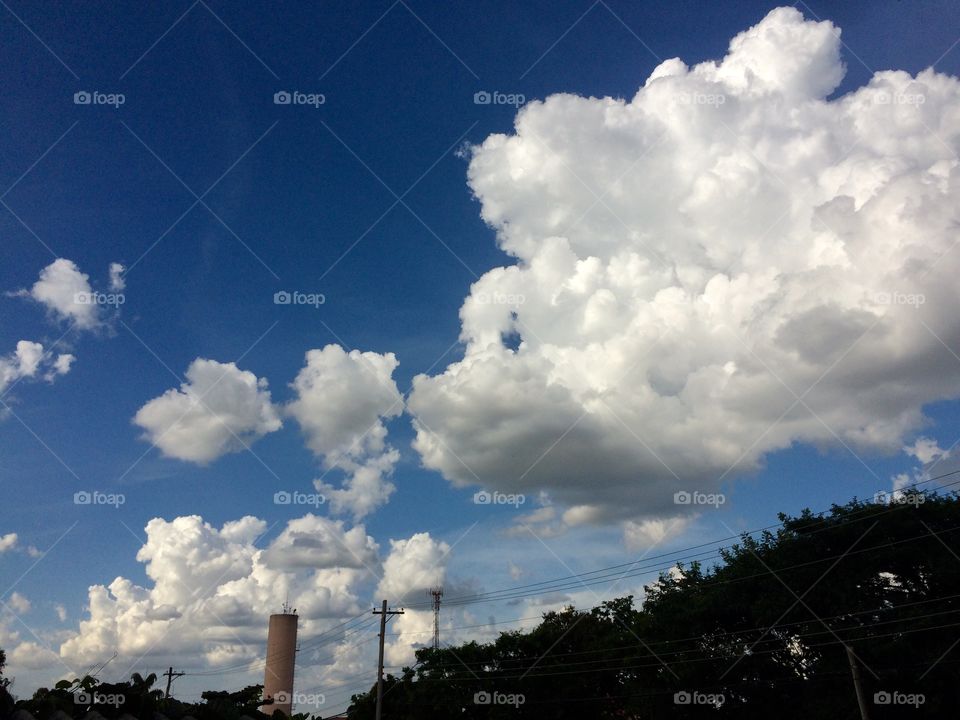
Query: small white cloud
(649, 533)
(19, 603)
(8, 542)
(61, 612)
(218, 410)
(925, 450)
(61, 289)
(117, 281)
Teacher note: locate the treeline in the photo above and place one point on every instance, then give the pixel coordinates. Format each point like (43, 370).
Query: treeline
(776, 626)
(136, 697)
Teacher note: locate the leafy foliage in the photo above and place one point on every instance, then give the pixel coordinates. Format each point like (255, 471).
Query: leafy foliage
(763, 633)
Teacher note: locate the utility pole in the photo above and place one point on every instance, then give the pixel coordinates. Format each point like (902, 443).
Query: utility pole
(855, 671)
(437, 593)
(170, 676)
(383, 613)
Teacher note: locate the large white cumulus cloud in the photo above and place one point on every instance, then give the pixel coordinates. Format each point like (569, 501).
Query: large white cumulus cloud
(343, 400)
(219, 409)
(691, 261)
(212, 589)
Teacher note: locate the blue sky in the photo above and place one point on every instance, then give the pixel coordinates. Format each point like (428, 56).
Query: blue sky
(365, 200)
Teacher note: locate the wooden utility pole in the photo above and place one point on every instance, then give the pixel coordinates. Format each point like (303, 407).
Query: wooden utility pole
(383, 613)
(855, 671)
(170, 676)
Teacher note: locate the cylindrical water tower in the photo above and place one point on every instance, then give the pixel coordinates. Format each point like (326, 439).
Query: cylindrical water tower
(281, 656)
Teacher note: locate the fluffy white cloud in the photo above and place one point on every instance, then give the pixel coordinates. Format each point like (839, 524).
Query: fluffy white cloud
(65, 292)
(343, 400)
(219, 409)
(317, 542)
(413, 566)
(8, 542)
(117, 281)
(925, 450)
(29, 360)
(693, 260)
(213, 589)
(19, 603)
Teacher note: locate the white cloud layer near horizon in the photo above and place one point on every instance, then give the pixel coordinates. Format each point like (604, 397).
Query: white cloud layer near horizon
(728, 263)
(211, 589)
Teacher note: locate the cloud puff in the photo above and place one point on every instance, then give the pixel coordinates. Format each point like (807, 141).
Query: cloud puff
(343, 400)
(8, 542)
(219, 409)
(19, 603)
(213, 589)
(29, 360)
(692, 261)
(317, 542)
(413, 566)
(117, 281)
(63, 290)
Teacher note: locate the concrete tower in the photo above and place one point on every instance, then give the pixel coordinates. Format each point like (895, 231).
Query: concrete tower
(281, 655)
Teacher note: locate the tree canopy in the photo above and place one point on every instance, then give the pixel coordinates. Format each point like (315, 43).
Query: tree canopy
(762, 632)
